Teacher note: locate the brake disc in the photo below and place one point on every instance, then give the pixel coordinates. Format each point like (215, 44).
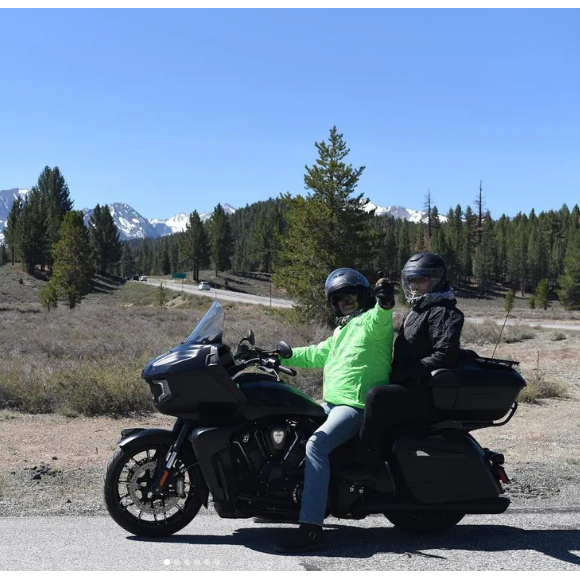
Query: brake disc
(141, 494)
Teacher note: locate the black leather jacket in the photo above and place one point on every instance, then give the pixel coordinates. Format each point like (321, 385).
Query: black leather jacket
(428, 339)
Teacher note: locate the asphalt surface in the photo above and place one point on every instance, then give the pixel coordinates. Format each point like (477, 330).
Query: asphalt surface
(516, 540)
(227, 295)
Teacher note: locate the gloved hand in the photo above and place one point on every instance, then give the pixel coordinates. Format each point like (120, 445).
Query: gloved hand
(385, 293)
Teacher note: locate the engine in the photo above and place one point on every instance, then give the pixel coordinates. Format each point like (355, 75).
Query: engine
(269, 458)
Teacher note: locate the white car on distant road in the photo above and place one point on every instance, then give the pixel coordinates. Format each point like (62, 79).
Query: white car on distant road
(204, 286)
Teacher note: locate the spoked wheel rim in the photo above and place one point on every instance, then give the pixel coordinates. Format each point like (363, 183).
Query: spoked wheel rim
(135, 493)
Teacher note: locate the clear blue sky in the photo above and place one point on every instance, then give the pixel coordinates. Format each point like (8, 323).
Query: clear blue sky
(175, 110)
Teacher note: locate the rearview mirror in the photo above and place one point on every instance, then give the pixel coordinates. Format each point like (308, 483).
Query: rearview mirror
(250, 337)
(284, 350)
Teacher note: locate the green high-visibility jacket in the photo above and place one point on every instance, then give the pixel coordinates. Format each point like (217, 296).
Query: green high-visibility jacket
(355, 358)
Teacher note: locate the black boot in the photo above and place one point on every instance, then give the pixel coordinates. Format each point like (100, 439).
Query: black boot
(306, 538)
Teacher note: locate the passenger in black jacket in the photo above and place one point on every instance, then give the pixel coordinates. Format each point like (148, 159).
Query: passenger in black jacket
(428, 339)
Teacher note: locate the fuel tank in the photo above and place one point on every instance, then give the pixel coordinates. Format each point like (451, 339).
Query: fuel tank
(267, 397)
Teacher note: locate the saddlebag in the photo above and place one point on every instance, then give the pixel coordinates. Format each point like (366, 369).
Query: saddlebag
(479, 389)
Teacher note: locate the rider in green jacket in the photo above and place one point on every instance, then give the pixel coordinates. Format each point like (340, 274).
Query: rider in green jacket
(355, 358)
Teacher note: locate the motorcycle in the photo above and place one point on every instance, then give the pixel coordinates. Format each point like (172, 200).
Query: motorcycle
(240, 434)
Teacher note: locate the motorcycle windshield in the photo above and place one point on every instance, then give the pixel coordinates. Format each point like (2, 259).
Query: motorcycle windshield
(210, 328)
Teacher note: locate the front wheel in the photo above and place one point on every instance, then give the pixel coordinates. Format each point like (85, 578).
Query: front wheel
(424, 522)
(131, 500)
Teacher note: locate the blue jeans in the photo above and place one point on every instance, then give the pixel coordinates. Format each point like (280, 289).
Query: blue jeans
(342, 424)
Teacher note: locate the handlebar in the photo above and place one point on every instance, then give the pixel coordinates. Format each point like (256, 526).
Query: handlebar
(262, 358)
(287, 371)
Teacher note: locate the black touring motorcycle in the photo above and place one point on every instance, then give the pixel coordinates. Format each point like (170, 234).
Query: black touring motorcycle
(241, 435)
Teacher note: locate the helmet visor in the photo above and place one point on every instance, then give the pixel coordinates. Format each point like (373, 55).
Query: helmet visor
(420, 281)
(346, 297)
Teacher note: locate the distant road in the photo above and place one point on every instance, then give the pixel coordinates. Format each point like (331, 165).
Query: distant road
(223, 294)
(281, 303)
(530, 322)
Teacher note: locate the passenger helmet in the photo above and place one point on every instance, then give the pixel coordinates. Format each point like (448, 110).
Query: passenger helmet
(429, 267)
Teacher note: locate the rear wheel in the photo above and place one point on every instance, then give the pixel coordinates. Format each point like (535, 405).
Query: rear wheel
(130, 497)
(424, 522)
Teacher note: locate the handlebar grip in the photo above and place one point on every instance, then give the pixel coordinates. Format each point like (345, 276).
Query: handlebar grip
(288, 371)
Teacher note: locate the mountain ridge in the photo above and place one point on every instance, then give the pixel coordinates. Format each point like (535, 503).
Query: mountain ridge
(133, 225)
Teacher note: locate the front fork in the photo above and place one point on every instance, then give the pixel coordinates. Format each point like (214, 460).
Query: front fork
(164, 469)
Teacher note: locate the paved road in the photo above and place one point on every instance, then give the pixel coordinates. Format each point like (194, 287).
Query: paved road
(281, 303)
(531, 322)
(227, 295)
(516, 540)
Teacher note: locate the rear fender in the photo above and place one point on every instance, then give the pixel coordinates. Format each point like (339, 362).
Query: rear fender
(134, 438)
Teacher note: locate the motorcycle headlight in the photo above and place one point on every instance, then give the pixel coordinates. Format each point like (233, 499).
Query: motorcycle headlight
(165, 392)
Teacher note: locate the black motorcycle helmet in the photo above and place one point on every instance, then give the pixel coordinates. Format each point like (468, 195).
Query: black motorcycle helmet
(428, 269)
(347, 281)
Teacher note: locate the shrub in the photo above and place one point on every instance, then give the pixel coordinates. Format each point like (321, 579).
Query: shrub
(558, 336)
(509, 300)
(532, 302)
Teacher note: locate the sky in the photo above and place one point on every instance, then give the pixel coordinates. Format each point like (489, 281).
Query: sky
(175, 110)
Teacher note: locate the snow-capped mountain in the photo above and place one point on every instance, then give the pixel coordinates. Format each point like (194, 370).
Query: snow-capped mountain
(7, 198)
(228, 209)
(133, 225)
(396, 211)
(176, 223)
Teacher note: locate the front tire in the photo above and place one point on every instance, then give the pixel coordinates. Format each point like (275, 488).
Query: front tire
(133, 504)
(424, 522)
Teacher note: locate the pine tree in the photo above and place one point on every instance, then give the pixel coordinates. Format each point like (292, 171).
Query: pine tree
(500, 229)
(468, 243)
(105, 240)
(220, 239)
(403, 245)
(264, 240)
(127, 261)
(48, 296)
(161, 295)
(165, 264)
(3, 255)
(73, 267)
(327, 229)
(193, 245)
(534, 256)
(541, 293)
(428, 207)
(56, 202)
(483, 260)
(517, 253)
(575, 218)
(32, 233)
(569, 292)
(479, 213)
(12, 230)
(509, 300)
(385, 254)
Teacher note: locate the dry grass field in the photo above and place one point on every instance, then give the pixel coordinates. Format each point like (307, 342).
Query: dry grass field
(70, 381)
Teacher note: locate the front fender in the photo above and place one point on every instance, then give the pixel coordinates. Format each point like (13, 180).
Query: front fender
(131, 438)
(134, 438)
